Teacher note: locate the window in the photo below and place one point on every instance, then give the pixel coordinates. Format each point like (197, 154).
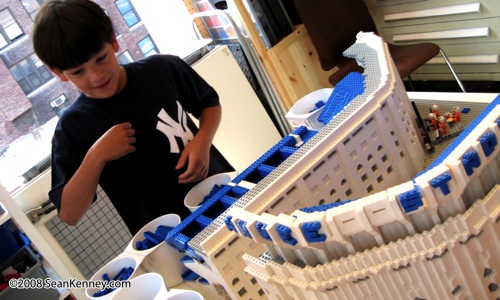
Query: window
(147, 46)
(9, 29)
(32, 6)
(125, 58)
(31, 73)
(58, 101)
(128, 12)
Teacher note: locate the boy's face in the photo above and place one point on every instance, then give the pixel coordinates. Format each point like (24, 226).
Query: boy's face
(100, 77)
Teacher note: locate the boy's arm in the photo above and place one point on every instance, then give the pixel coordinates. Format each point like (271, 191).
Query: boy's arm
(196, 154)
(79, 192)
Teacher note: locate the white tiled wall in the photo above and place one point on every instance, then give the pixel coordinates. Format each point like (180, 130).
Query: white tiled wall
(98, 238)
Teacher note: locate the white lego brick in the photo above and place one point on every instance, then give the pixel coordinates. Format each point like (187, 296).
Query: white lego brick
(434, 196)
(380, 210)
(492, 203)
(246, 184)
(475, 219)
(350, 218)
(297, 273)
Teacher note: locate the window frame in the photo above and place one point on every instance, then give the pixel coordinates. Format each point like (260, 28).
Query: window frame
(33, 12)
(37, 70)
(152, 51)
(124, 14)
(3, 32)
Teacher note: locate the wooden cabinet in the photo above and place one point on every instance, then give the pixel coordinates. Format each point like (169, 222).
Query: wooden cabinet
(468, 32)
(297, 65)
(292, 64)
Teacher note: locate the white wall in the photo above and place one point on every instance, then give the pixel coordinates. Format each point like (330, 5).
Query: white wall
(170, 26)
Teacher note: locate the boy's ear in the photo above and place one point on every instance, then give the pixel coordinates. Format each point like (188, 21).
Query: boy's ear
(59, 74)
(115, 44)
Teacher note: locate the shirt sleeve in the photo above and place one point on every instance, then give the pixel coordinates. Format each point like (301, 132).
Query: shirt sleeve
(65, 160)
(196, 94)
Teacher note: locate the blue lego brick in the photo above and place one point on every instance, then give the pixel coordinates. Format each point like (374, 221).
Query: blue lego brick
(163, 231)
(300, 131)
(255, 176)
(212, 192)
(286, 234)
(305, 134)
(288, 141)
(310, 232)
(217, 207)
(286, 151)
(306, 137)
(227, 201)
(242, 226)
(344, 92)
(229, 224)
(203, 221)
(488, 142)
(280, 156)
(265, 170)
(411, 200)
(190, 276)
(156, 239)
(153, 239)
(239, 191)
(190, 227)
(144, 245)
(179, 236)
(471, 160)
(178, 241)
(318, 105)
(323, 207)
(221, 191)
(465, 110)
(442, 182)
(261, 227)
(249, 174)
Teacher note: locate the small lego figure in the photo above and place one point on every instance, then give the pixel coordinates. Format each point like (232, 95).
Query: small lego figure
(442, 125)
(448, 115)
(452, 118)
(456, 114)
(435, 110)
(435, 125)
(427, 142)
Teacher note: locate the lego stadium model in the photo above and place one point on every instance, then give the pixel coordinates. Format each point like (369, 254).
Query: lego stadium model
(350, 211)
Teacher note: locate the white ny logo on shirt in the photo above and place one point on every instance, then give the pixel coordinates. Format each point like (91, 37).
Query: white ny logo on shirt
(171, 128)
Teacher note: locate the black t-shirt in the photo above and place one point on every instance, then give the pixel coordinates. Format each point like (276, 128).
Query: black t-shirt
(142, 185)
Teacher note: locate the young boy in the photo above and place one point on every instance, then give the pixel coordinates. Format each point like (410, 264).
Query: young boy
(128, 131)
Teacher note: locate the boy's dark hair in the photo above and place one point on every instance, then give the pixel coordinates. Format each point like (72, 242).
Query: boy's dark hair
(67, 33)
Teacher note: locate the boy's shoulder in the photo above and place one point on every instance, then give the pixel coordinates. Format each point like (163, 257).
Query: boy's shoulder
(159, 59)
(162, 63)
